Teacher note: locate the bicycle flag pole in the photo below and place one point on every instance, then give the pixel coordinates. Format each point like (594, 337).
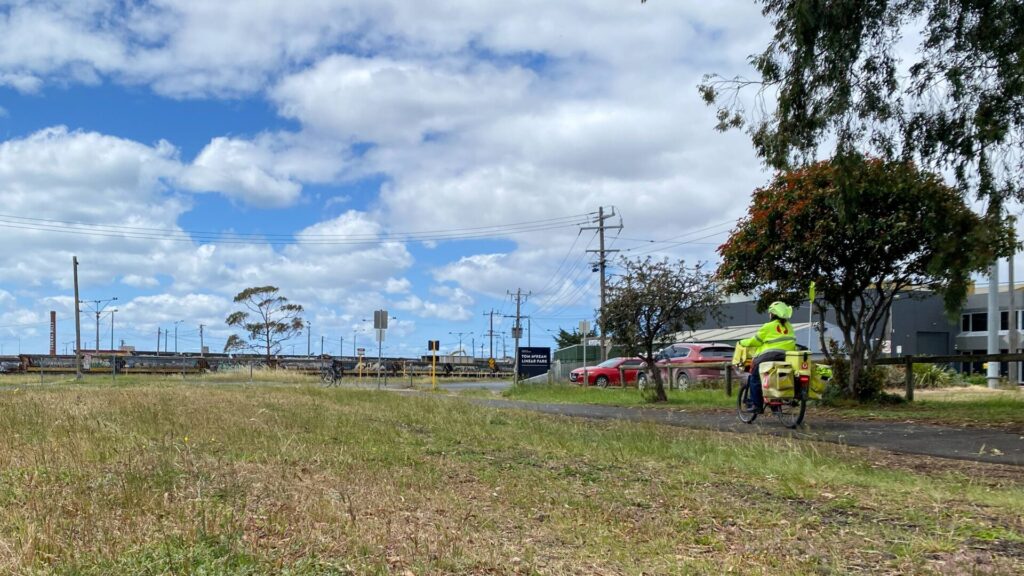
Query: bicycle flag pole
(810, 313)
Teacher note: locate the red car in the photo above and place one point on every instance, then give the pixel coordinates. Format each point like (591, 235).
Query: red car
(693, 353)
(607, 372)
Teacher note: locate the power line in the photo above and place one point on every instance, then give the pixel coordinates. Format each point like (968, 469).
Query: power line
(133, 232)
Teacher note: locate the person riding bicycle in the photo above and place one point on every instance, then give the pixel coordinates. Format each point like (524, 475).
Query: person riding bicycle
(772, 340)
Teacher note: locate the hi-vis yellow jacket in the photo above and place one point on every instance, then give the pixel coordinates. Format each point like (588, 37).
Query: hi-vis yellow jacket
(773, 335)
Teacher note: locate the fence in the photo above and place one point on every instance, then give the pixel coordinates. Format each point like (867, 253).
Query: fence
(906, 361)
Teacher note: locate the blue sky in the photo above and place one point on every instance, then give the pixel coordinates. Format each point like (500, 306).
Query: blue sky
(164, 143)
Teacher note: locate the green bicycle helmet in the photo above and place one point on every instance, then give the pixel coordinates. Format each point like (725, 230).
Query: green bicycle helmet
(780, 309)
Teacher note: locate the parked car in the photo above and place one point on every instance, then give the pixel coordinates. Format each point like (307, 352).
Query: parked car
(693, 353)
(607, 372)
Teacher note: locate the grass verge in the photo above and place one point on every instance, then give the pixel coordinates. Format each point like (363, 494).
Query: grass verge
(961, 406)
(295, 479)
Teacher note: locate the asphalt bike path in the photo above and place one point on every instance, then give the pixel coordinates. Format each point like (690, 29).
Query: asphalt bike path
(960, 443)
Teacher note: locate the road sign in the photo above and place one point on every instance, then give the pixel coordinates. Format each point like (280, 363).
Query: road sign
(533, 361)
(517, 332)
(380, 320)
(584, 327)
(360, 351)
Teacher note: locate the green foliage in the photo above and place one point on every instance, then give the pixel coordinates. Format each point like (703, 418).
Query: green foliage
(650, 301)
(933, 376)
(863, 230)
(976, 379)
(268, 320)
(566, 339)
(839, 73)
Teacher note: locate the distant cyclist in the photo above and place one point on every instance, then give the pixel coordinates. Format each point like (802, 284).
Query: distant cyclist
(772, 341)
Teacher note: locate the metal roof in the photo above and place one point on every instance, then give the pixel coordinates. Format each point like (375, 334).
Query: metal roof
(733, 334)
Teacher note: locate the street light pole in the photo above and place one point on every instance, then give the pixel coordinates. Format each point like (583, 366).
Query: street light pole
(176, 336)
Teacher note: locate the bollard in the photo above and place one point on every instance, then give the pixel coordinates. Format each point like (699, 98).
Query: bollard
(908, 363)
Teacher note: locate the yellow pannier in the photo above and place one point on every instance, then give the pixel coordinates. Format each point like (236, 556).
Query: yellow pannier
(777, 379)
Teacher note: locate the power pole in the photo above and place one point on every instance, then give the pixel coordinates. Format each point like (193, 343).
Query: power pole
(490, 333)
(321, 345)
(517, 330)
(202, 344)
(602, 262)
(78, 324)
(98, 307)
(309, 339)
(112, 328)
(158, 331)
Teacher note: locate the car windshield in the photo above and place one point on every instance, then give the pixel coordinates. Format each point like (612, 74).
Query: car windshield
(610, 363)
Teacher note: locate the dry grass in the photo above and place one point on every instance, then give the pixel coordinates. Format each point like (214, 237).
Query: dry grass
(238, 479)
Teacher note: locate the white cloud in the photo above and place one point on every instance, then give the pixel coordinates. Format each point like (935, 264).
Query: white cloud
(383, 100)
(138, 281)
(26, 83)
(427, 309)
(397, 285)
(475, 114)
(237, 168)
(267, 171)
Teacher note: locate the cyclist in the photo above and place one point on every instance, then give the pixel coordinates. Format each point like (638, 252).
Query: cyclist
(772, 341)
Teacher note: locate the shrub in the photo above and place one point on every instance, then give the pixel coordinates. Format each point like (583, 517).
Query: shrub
(932, 376)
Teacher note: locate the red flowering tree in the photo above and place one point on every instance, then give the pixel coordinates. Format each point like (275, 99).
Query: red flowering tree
(862, 229)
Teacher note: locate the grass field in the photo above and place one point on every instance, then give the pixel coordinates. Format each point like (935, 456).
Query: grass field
(173, 478)
(956, 406)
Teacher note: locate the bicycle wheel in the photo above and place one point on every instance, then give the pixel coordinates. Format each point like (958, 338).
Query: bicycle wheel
(791, 411)
(326, 378)
(742, 412)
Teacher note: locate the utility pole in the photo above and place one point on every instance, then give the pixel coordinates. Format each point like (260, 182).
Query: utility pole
(97, 307)
(78, 324)
(341, 346)
(202, 344)
(321, 345)
(309, 339)
(112, 328)
(460, 334)
(490, 333)
(602, 262)
(517, 330)
(158, 331)
(1011, 335)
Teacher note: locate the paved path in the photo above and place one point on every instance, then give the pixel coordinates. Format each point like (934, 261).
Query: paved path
(981, 445)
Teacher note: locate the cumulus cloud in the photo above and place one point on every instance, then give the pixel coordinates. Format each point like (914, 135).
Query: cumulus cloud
(473, 114)
(382, 100)
(267, 171)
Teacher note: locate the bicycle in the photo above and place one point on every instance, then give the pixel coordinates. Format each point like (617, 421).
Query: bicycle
(792, 383)
(330, 376)
(789, 411)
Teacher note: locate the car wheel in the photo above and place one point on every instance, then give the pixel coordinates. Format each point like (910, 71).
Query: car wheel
(602, 382)
(682, 380)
